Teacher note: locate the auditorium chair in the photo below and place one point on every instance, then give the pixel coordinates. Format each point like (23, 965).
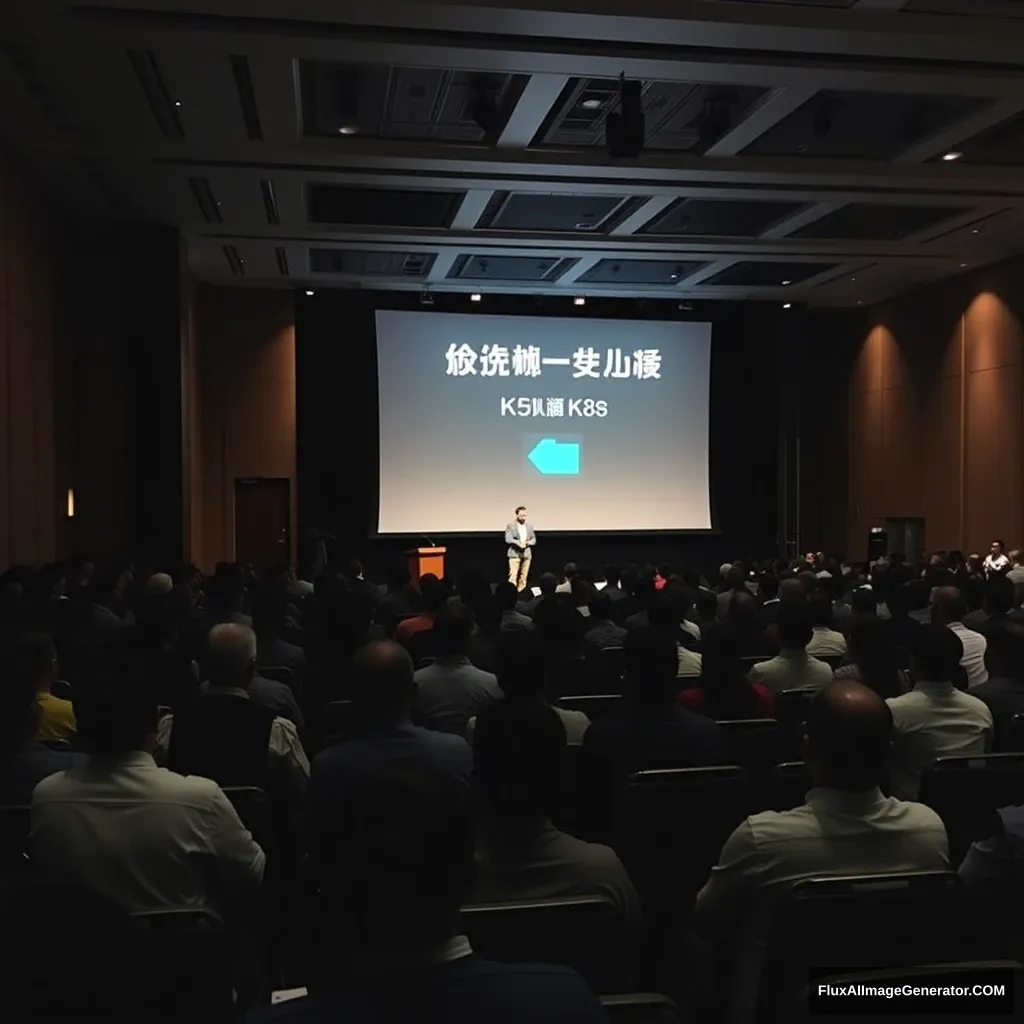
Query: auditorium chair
(788, 786)
(608, 665)
(828, 926)
(593, 705)
(791, 708)
(641, 1008)
(587, 933)
(938, 975)
(1015, 740)
(335, 724)
(281, 674)
(754, 743)
(967, 791)
(670, 826)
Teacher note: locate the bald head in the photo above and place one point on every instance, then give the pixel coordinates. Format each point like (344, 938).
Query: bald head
(849, 727)
(231, 655)
(382, 682)
(948, 605)
(159, 583)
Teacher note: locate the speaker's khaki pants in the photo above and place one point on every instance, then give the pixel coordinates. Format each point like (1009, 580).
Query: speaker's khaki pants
(518, 570)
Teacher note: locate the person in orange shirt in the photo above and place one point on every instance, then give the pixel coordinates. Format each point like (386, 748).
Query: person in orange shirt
(35, 661)
(433, 594)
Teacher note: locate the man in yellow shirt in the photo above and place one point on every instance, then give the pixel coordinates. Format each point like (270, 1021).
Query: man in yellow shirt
(35, 660)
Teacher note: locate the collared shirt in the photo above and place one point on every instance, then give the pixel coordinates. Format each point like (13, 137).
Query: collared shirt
(690, 663)
(521, 531)
(284, 748)
(826, 643)
(973, 660)
(143, 836)
(791, 670)
(451, 691)
(833, 833)
(998, 564)
(933, 720)
(540, 862)
(56, 718)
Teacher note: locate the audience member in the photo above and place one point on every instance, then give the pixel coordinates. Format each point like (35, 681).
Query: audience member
(34, 663)
(826, 642)
(518, 748)
(507, 596)
(994, 867)
(358, 584)
(433, 595)
(747, 629)
(948, 609)
(874, 659)
(734, 582)
(601, 631)
(395, 867)
(547, 586)
(935, 719)
(999, 601)
(228, 736)
(270, 624)
(612, 587)
(487, 633)
(846, 827)
(792, 668)
(1003, 691)
(724, 691)
(142, 836)
(451, 690)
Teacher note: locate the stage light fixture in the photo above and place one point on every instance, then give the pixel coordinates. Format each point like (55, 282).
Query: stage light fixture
(579, 300)
(626, 128)
(951, 156)
(426, 297)
(475, 297)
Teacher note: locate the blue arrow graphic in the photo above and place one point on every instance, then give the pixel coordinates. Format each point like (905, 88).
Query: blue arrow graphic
(556, 458)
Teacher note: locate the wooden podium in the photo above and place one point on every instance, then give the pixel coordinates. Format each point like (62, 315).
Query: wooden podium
(424, 560)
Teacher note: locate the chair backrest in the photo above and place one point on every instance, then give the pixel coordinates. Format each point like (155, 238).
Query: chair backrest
(824, 926)
(753, 743)
(1006, 973)
(256, 811)
(788, 786)
(337, 722)
(791, 707)
(641, 1008)
(281, 674)
(671, 825)
(587, 933)
(966, 791)
(593, 705)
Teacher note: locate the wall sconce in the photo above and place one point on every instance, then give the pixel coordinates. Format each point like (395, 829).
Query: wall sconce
(71, 503)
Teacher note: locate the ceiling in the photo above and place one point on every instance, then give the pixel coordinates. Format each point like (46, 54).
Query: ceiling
(793, 148)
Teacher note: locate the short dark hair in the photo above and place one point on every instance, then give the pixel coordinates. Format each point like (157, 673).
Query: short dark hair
(794, 625)
(936, 652)
(612, 574)
(1000, 596)
(517, 754)
(507, 595)
(950, 602)
(1005, 651)
(269, 612)
(652, 664)
(119, 707)
(381, 680)
(600, 605)
(433, 592)
(520, 508)
(452, 630)
(819, 607)
(521, 662)
(769, 584)
(996, 540)
(547, 583)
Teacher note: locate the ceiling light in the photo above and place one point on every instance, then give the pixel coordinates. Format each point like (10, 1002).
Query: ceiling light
(177, 103)
(674, 277)
(592, 104)
(853, 279)
(962, 265)
(951, 156)
(475, 297)
(787, 305)
(784, 283)
(860, 302)
(580, 300)
(310, 293)
(348, 129)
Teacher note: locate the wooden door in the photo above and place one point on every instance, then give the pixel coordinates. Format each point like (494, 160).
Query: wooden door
(262, 521)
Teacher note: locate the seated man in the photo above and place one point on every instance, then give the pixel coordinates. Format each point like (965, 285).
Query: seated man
(792, 668)
(934, 719)
(141, 836)
(225, 735)
(434, 596)
(846, 827)
(1003, 692)
(518, 748)
(396, 867)
(826, 642)
(949, 608)
(451, 690)
(601, 631)
(507, 597)
(522, 667)
(270, 624)
(24, 760)
(34, 659)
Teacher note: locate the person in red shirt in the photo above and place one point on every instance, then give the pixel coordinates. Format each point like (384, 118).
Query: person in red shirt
(723, 691)
(433, 594)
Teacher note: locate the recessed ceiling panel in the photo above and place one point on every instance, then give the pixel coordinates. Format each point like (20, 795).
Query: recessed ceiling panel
(878, 222)
(862, 125)
(735, 218)
(538, 211)
(382, 207)
(679, 115)
(509, 268)
(370, 264)
(667, 273)
(1003, 143)
(345, 100)
(767, 275)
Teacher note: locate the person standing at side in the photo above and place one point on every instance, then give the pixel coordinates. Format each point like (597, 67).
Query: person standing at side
(520, 539)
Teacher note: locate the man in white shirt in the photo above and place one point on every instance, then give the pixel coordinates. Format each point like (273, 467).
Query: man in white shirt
(825, 641)
(846, 827)
(137, 834)
(948, 608)
(520, 539)
(996, 561)
(793, 668)
(934, 719)
(452, 689)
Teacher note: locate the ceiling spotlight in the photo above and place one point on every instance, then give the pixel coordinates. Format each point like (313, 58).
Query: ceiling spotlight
(787, 305)
(177, 103)
(579, 300)
(951, 156)
(962, 265)
(784, 283)
(860, 302)
(975, 231)
(853, 279)
(592, 104)
(310, 293)
(348, 129)
(475, 297)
